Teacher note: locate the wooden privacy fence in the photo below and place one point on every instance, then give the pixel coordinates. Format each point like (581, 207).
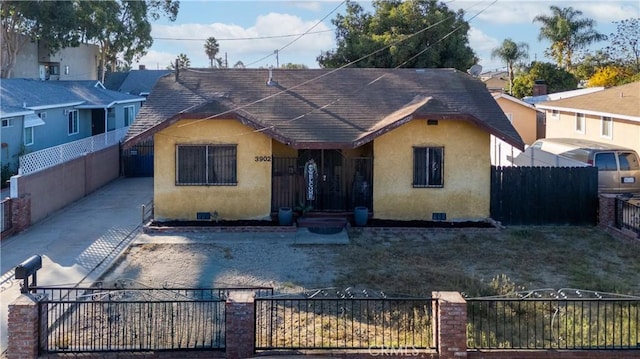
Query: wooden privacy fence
(544, 195)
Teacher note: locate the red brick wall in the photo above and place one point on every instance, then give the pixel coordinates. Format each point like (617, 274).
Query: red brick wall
(240, 325)
(450, 316)
(23, 328)
(607, 210)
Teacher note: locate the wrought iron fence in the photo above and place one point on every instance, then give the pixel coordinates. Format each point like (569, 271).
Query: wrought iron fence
(345, 321)
(48, 157)
(147, 212)
(568, 319)
(628, 213)
(5, 215)
(118, 318)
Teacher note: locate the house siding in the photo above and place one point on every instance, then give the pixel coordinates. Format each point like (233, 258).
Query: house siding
(524, 119)
(249, 199)
(467, 175)
(625, 133)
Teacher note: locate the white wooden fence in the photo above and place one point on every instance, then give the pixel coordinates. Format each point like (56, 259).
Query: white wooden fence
(48, 157)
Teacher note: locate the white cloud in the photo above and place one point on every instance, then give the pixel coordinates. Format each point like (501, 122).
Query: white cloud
(245, 44)
(523, 12)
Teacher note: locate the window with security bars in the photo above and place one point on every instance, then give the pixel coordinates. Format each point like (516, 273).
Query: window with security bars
(428, 166)
(206, 165)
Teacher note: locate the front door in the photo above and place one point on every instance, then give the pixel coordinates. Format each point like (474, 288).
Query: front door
(325, 180)
(97, 122)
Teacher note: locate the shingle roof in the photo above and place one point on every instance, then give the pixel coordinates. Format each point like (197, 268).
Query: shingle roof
(619, 101)
(26, 93)
(322, 108)
(134, 82)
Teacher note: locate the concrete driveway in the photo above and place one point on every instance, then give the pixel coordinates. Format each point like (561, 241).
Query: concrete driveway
(77, 243)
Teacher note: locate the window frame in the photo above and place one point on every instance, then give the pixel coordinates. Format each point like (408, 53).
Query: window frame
(608, 124)
(423, 180)
(6, 122)
(73, 122)
(580, 123)
(129, 109)
(209, 165)
(31, 136)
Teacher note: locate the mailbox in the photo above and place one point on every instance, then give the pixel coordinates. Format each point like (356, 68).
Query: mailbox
(28, 268)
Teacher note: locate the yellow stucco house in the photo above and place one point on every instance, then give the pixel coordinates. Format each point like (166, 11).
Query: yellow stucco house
(408, 144)
(611, 116)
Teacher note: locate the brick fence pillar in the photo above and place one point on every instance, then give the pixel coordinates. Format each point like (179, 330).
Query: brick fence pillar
(450, 325)
(607, 210)
(240, 325)
(21, 213)
(22, 327)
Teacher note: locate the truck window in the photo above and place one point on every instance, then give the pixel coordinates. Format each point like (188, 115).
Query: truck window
(628, 161)
(606, 161)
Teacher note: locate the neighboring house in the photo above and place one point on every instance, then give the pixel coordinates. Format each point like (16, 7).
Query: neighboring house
(496, 81)
(72, 63)
(409, 144)
(135, 82)
(42, 114)
(533, 100)
(611, 116)
(524, 118)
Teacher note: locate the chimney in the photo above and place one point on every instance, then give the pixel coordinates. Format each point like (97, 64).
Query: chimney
(539, 88)
(142, 67)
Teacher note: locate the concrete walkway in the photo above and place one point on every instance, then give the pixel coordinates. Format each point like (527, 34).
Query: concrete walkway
(77, 243)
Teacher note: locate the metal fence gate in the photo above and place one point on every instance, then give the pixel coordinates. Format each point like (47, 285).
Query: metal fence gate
(343, 319)
(137, 161)
(343, 183)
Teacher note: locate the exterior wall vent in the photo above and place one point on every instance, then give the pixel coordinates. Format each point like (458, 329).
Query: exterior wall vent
(432, 122)
(436, 216)
(204, 216)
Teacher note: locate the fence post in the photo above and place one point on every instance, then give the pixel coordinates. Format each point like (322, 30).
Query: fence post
(240, 324)
(607, 210)
(23, 328)
(450, 325)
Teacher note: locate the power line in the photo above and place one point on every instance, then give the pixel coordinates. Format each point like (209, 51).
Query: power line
(300, 36)
(244, 38)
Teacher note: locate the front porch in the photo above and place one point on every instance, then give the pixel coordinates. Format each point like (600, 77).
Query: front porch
(322, 182)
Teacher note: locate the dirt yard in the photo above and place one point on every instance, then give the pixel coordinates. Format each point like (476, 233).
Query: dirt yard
(474, 262)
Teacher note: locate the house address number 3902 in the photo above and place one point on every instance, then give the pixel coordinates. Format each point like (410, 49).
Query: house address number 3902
(263, 158)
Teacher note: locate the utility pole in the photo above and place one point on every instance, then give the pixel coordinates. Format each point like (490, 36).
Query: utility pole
(277, 59)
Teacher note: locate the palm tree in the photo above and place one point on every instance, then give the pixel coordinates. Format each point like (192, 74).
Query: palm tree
(510, 52)
(567, 33)
(211, 48)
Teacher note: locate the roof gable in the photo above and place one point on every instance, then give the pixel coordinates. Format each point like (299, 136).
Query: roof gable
(322, 108)
(619, 101)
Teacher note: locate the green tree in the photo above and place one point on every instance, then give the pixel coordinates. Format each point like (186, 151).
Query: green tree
(211, 48)
(412, 33)
(625, 43)
(121, 28)
(556, 79)
(510, 53)
(239, 65)
(183, 62)
(590, 63)
(51, 22)
(293, 66)
(567, 33)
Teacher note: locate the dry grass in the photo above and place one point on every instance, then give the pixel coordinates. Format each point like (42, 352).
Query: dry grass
(484, 263)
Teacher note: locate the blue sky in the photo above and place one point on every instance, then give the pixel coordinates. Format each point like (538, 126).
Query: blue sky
(249, 31)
